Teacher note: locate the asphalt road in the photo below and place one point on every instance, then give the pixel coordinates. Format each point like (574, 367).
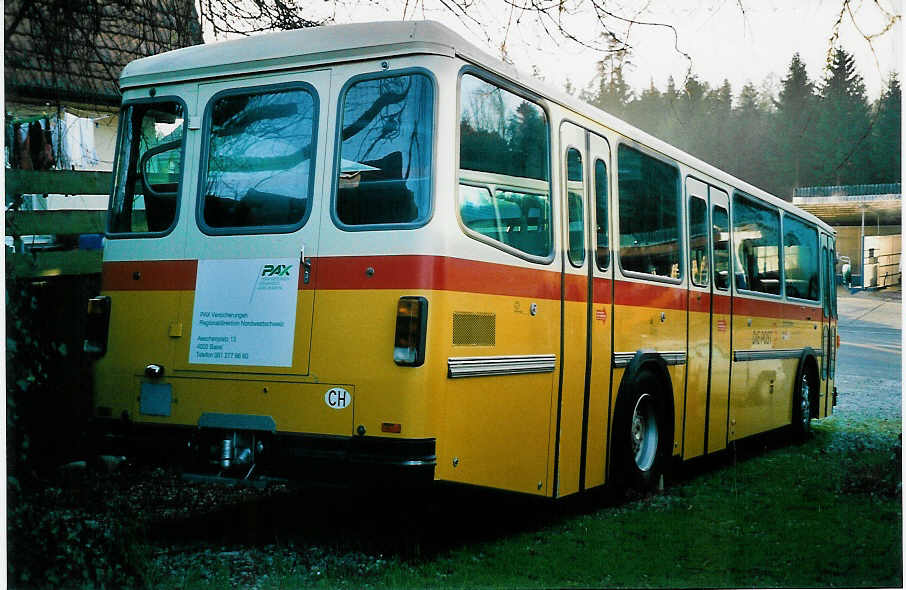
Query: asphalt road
(870, 337)
(869, 360)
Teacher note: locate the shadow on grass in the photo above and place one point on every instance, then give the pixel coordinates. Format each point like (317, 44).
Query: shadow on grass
(411, 523)
(405, 523)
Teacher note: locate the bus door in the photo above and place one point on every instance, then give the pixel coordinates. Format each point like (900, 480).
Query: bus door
(600, 316)
(721, 305)
(576, 296)
(699, 347)
(828, 327)
(260, 176)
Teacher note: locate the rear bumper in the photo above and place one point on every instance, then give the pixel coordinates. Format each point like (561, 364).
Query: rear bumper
(289, 455)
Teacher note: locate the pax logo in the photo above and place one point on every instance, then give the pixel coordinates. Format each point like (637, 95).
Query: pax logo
(276, 270)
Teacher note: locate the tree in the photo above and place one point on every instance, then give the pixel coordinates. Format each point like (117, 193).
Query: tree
(612, 93)
(750, 134)
(886, 148)
(793, 125)
(844, 124)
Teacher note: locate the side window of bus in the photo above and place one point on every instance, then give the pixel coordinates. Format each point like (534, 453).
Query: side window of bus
(720, 232)
(259, 167)
(756, 241)
(148, 168)
(825, 257)
(504, 184)
(649, 214)
(699, 260)
(603, 221)
(386, 135)
(800, 259)
(575, 194)
(833, 282)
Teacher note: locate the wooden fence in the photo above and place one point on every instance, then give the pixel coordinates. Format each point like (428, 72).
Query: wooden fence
(61, 223)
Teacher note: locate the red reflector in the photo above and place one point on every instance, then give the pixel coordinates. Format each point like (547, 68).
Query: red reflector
(393, 428)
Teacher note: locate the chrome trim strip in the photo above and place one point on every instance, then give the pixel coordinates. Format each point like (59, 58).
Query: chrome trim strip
(622, 359)
(671, 357)
(761, 355)
(674, 358)
(483, 366)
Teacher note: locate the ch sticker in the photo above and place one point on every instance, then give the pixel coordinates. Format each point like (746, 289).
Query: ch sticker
(337, 398)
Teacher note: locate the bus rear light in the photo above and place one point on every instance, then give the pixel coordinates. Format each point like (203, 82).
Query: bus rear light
(838, 340)
(391, 428)
(97, 326)
(411, 324)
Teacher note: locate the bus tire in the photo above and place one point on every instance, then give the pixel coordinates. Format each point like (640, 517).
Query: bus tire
(641, 437)
(804, 403)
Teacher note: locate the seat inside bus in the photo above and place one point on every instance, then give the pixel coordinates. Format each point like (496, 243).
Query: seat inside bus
(377, 196)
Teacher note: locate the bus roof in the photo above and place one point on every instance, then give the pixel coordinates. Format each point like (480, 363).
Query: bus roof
(338, 43)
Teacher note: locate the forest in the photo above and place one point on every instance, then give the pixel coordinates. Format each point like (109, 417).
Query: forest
(804, 133)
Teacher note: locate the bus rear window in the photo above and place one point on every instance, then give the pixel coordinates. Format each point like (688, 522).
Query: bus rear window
(384, 169)
(259, 160)
(148, 168)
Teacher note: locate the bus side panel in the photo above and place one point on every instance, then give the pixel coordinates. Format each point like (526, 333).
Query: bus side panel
(496, 430)
(573, 394)
(697, 364)
(756, 383)
(599, 396)
(720, 373)
(652, 317)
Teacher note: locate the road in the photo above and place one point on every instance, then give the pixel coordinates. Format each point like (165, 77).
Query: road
(870, 356)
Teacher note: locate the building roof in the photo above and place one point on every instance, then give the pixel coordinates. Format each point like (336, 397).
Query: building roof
(76, 57)
(845, 205)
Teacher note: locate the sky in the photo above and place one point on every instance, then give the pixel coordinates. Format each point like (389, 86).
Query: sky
(741, 40)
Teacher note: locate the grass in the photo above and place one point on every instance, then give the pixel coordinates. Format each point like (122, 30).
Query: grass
(823, 513)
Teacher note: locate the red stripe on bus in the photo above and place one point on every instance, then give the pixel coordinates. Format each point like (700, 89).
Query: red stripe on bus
(645, 295)
(603, 290)
(721, 304)
(758, 307)
(149, 275)
(802, 312)
(433, 272)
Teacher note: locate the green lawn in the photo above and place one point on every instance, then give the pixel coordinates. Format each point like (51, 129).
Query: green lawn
(824, 513)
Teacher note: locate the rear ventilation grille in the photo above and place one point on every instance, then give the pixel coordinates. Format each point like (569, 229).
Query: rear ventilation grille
(474, 329)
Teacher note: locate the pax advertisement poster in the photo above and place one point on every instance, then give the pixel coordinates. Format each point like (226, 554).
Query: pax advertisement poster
(245, 312)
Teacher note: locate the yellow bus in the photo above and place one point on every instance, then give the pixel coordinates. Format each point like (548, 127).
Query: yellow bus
(372, 248)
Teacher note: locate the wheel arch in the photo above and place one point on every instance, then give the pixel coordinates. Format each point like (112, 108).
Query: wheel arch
(653, 361)
(808, 362)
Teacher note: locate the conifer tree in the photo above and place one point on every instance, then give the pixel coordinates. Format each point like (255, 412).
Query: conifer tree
(795, 122)
(886, 144)
(842, 139)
